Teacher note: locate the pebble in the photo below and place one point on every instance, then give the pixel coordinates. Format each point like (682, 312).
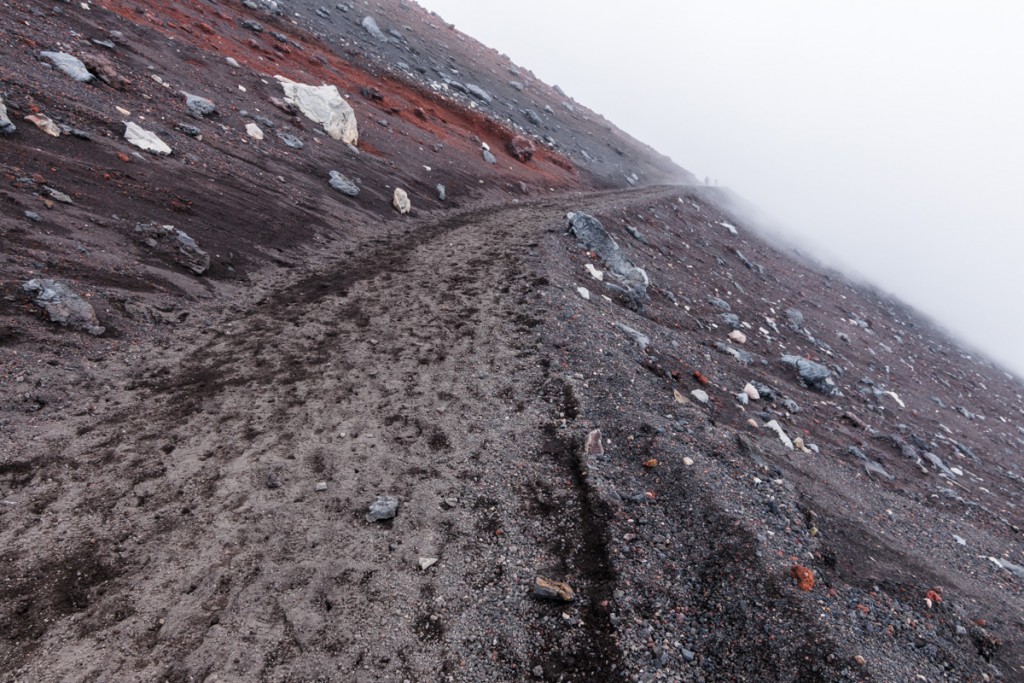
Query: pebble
(700, 396)
(427, 562)
(383, 507)
(320, 486)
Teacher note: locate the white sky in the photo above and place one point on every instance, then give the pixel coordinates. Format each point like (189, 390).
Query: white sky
(886, 136)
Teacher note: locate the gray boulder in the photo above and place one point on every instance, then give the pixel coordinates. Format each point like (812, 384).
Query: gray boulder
(592, 234)
(6, 127)
(63, 306)
(343, 184)
(488, 157)
(442, 194)
(479, 93)
(370, 24)
(814, 376)
(168, 238)
(69, 64)
(796, 319)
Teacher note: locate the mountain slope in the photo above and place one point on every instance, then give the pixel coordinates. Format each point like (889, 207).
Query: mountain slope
(184, 495)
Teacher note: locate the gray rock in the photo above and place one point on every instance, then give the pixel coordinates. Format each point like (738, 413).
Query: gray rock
(939, 465)
(170, 239)
(254, 26)
(635, 234)
(814, 376)
(343, 184)
(488, 157)
(796, 319)
(720, 304)
(57, 195)
(479, 93)
(198, 107)
(103, 43)
(441, 193)
(592, 234)
(517, 85)
(532, 117)
(32, 216)
(63, 306)
(290, 140)
(6, 127)
(70, 65)
(191, 131)
(639, 338)
(384, 507)
(370, 24)
(700, 396)
(730, 319)
(791, 405)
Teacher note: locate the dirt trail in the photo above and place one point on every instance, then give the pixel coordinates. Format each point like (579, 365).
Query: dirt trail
(182, 538)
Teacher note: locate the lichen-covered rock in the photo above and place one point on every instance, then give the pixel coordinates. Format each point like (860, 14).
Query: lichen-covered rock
(63, 306)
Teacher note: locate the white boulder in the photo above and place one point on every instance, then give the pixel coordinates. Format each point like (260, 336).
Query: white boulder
(324, 105)
(401, 201)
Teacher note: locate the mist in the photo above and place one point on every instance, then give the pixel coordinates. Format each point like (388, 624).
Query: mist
(886, 138)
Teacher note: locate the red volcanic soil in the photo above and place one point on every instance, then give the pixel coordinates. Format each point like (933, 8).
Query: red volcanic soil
(185, 497)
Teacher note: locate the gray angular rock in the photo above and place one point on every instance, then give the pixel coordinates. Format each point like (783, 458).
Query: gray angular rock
(63, 306)
(324, 105)
(441, 192)
(814, 376)
(730, 319)
(6, 127)
(479, 93)
(638, 337)
(343, 184)
(170, 239)
(383, 507)
(253, 26)
(795, 318)
(69, 64)
(488, 157)
(144, 139)
(592, 234)
(290, 140)
(532, 117)
(720, 304)
(199, 107)
(370, 24)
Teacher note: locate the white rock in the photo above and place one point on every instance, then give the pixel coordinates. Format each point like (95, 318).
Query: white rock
(320, 486)
(232, 62)
(324, 105)
(728, 226)
(584, 292)
(427, 562)
(893, 396)
(751, 392)
(738, 337)
(254, 131)
(777, 428)
(144, 139)
(594, 272)
(688, 461)
(401, 201)
(742, 398)
(700, 396)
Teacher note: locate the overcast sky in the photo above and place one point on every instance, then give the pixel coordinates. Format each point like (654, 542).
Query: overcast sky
(887, 137)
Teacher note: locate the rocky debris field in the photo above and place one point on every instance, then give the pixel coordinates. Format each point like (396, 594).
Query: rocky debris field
(336, 347)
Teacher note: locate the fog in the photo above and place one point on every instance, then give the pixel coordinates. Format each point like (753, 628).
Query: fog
(885, 137)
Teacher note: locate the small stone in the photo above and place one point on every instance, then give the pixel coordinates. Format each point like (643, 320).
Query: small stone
(198, 107)
(401, 202)
(44, 123)
(738, 337)
(538, 671)
(488, 157)
(254, 131)
(383, 507)
(700, 396)
(32, 216)
(57, 195)
(320, 486)
(593, 445)
(860, 660)
(583, 292)
(751, 392)
(547, 589)
(427, 562)
(290, 140)
(450, 502)
(688, 461)
(441, 193)
(804, 577)
(343, 184)
(70, 65)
